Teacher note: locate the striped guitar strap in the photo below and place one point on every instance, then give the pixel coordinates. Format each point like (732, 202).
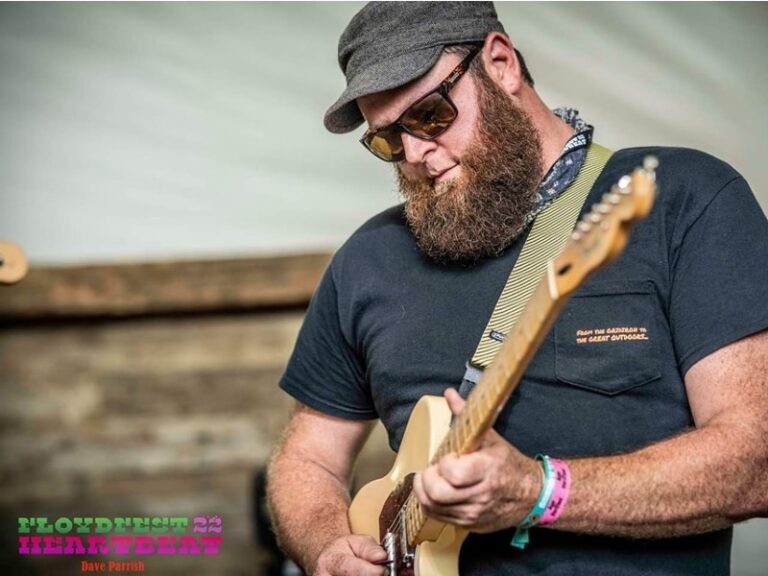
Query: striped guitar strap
(548, 235)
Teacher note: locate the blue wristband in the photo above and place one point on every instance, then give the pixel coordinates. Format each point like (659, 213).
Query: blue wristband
(520, 539)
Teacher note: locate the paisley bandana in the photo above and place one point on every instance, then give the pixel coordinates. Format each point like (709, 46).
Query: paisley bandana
(571, 159)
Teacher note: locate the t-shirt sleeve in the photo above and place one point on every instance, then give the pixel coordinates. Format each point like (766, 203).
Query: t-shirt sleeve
(325, 372)
(719, 274)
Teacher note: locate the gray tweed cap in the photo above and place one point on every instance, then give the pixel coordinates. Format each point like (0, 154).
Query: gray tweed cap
(388, 44)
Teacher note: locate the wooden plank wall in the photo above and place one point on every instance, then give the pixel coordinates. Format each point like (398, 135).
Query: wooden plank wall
(148, 390)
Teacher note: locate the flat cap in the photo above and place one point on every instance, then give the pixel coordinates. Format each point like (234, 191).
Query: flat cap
(388, 44)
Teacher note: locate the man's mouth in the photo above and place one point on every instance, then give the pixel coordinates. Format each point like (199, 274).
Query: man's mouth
(446, 175)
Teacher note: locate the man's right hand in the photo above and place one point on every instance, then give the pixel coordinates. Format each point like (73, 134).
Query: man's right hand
(353, 555)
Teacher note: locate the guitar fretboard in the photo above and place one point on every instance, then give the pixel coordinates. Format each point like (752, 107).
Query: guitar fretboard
(497, 384)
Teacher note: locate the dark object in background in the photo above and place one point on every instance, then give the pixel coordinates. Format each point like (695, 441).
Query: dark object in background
(277, 564)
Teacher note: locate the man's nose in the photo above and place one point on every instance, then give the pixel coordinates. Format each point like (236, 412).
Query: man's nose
(415, 148)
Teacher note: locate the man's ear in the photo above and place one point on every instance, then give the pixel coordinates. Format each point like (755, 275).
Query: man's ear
(501, 63)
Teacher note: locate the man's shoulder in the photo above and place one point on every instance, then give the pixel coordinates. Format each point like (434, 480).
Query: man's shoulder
(379, 231)
(391, 220)
(383, 236)
(679, 163)
(686, 179)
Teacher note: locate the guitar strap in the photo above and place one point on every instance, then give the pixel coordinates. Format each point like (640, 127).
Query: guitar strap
(548, 235)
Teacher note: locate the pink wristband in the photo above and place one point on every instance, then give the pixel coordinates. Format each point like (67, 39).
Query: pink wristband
(559, 494)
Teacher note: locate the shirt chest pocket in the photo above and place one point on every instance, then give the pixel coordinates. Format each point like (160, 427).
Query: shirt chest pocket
(606, 338)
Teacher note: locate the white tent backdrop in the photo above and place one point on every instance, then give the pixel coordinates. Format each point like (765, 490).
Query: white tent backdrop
(135, 132)
(155, 131)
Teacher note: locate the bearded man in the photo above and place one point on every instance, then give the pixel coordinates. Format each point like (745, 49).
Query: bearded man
(662, 436)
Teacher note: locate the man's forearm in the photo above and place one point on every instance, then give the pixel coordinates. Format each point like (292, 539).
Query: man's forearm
(703, 480)
(309, 507)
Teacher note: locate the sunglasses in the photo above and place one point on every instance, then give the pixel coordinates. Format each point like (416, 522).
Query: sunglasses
(425, 119)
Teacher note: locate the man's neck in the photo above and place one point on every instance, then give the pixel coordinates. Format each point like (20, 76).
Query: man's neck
(553, 132)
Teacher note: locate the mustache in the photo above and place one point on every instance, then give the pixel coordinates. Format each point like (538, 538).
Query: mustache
(482, 210)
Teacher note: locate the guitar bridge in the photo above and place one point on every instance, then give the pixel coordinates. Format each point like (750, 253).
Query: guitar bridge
(400, 555)
(393, 526)
(390, 546)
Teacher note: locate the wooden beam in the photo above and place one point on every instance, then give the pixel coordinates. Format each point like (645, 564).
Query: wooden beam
(164, 287)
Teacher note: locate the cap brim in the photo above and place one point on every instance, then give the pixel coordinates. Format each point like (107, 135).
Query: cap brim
(345, 116)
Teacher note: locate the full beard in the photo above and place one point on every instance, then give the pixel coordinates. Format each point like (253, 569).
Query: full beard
(480, 213)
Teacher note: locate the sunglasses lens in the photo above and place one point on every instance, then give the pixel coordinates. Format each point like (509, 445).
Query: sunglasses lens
(425, 119)
(429, 117)
(386, 144)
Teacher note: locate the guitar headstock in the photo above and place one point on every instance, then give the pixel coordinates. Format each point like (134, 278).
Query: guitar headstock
(600, 236)
(13, 263)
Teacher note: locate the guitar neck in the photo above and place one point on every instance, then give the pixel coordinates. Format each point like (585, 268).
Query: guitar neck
(501, 378)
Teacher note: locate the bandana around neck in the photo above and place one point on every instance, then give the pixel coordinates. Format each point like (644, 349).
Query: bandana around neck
(571, 159)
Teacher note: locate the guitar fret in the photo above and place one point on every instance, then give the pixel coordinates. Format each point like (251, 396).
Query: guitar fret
(541, 301)
(533, 323)
(473, 419)
(485, 403)
(466, 421)
(502, 368)
(451, 442)
(477, 412)
(526, 329)
(514, 344)
(491, 407)
(410, 527)
(521, 343)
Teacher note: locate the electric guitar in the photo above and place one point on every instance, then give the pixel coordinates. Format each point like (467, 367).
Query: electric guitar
(386, 509)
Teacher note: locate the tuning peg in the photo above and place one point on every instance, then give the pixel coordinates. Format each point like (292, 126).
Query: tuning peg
(594, 218)
(650, 163)
(624, 183)
(583, 226)
(611, 198)
(602, 208)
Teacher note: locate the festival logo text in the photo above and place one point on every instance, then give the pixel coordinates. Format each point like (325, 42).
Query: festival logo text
(120, 535)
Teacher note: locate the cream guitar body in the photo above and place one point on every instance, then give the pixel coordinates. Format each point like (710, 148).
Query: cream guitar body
(427, 427)
(386, 509)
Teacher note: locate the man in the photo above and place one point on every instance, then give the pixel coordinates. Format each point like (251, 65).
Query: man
(664, 436)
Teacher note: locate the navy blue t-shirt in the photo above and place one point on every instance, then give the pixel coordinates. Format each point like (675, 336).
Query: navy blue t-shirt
(387, 326)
